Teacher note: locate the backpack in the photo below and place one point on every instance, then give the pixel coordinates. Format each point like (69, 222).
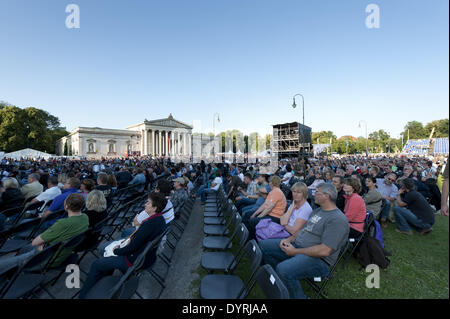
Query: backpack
(266, 229)
(378, 234)
(369, 251)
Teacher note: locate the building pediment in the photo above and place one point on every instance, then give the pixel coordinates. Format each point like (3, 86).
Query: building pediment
(169, 122)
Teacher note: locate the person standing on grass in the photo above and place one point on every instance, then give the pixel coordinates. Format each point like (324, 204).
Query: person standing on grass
(444, 197)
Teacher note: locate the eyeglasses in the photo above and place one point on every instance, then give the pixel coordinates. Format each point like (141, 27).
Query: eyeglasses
(391, 179)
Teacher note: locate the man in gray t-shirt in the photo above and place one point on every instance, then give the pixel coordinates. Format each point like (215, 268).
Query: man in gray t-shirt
(309, 253)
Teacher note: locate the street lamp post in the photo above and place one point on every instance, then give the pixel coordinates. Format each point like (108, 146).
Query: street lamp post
(303, 109)
(214, 130)
(359, 126)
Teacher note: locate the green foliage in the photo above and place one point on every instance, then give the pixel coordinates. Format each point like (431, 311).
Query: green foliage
(323, 137)
(416, 130)
(28, 128)
(441, 128)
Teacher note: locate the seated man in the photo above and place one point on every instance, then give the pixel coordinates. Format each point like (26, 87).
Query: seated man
(214, 187)
(33, 188)
(389, 192)
(63, 230)
(139, 179)
(247, 211)
(249, 196)
(315, 248)
(51, 192)
(71, 186)
(102, 185)
(413, 210)
(273, 208)
(179, 196)
(235, 183)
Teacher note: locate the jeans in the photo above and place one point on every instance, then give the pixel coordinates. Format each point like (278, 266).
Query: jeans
(406, 219)
(24, 255)
(2, 221)
(386, 209)
(244, 202)
(202, 191)
(292, 269)
(104, 266)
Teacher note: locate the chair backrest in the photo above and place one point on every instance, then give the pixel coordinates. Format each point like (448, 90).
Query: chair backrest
(37, 263)
(70, 244)
(26, 225)
(242, 234)
(269, 282)
(254, 253)
(40, 261)
(34, 206)
(12, 211)
(137, 265)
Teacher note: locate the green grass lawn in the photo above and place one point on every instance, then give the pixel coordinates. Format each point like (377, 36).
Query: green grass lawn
(419, 269)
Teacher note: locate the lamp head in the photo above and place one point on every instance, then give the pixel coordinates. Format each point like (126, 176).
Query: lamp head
(294, 105)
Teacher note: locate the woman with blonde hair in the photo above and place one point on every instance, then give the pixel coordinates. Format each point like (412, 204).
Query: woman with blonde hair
(298, 213)
(96, 207)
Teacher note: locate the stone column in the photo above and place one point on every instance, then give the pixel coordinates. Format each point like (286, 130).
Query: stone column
(145, 142)
(167, 143)
(153, 142)
(159, 143)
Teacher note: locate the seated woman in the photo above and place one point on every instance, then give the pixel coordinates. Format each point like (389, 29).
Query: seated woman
(373, 197)
(355, 208)
(10, 195)
(298, 213)
(95, 207)
(124, 257)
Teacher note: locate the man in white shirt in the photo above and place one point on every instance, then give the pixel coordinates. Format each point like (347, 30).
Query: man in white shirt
(52, 191)
(214, 187)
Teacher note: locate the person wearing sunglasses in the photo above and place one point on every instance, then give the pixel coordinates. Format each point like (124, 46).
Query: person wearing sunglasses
(389, 191)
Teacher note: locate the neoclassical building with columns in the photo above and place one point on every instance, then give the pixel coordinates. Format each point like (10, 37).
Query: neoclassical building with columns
(163, 137)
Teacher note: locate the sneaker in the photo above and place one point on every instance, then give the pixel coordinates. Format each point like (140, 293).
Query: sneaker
(404, 232)
(383, 223)
(426, 231)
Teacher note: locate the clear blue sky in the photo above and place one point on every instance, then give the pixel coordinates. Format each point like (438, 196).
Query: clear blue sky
(244, 59)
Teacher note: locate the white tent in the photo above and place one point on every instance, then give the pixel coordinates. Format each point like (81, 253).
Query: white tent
(264, 153)
(27, 153)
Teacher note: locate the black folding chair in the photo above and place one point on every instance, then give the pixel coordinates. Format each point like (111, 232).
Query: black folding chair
(369, 221)
(319, 283)
(225, 260)
(222, 242)
(30, 276)
(12, 214)
(14, 245)
(269, 282)
(221, 230)
(232, 286)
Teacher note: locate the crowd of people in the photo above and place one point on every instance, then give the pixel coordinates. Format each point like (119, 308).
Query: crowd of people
(318, 203)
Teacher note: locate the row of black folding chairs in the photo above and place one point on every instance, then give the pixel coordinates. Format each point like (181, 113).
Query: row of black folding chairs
(19, 235)
(221, 218)
(168, 245)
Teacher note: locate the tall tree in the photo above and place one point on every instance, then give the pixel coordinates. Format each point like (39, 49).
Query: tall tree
(416, 130)
(441, 128)
(28, 128)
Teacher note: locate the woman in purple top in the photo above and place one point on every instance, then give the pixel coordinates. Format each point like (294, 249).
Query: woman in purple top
(298, 213)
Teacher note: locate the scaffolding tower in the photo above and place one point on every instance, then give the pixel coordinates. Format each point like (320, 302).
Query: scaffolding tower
(291, 139)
